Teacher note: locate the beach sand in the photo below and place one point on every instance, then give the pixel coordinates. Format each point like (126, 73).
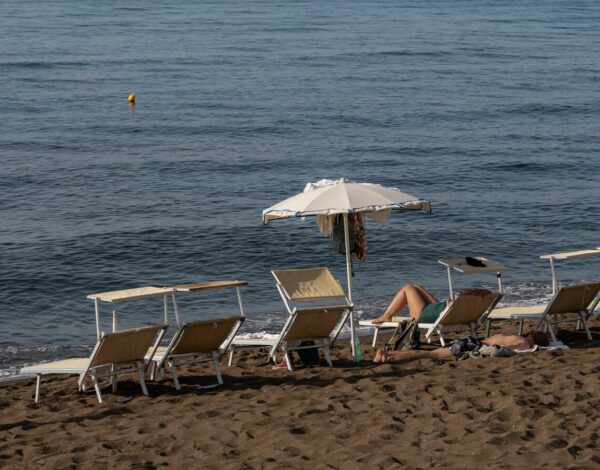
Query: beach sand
(538, 410)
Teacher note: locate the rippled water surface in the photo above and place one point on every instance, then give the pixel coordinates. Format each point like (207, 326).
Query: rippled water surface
(488, 109)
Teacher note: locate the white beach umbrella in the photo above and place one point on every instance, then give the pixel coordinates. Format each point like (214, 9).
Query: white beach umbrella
(345, 197)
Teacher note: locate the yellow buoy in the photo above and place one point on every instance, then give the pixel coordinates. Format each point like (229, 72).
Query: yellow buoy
(131, 98)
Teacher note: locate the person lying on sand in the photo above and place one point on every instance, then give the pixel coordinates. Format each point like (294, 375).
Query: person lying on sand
(422, 306)
(464, 345)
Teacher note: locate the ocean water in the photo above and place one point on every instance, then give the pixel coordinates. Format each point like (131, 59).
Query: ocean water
(488, 109)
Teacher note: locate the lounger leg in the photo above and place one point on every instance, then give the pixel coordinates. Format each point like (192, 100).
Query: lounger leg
(175, 379)
(375, 336)
(488, 326)
(443, 343)
(81, 382)
(550, 330)
(140, 368)
(38, 384)
(521, 322)
(217, 369)
(585, 327)
(113, 379)
(230, 361)
(327, 355)
(288, 360)
(97, 387)
(153, 370)
(472, 330)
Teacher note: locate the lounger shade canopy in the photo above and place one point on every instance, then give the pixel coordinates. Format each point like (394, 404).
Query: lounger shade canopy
(566, 255)
(345, 197)
(462, 266)
(199, 286)
(128, 295)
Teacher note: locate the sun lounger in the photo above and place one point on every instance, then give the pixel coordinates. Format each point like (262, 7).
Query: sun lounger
(300, 290)
(466, 312)
(386, 325)
(195, 342)
(115, 353)
(575, 302)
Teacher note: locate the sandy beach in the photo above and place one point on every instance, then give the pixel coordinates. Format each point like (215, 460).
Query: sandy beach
(538, 410)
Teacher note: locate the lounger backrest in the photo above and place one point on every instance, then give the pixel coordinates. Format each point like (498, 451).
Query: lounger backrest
(316, 322)
(204, 336)
(125, 346)
(468, 308)
(574, 298)
(309, 284)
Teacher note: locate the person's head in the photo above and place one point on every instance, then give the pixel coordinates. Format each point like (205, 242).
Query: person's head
(478, 291)
(538, 337)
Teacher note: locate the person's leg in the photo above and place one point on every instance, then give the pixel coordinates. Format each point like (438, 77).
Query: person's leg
(426, 295)
(409, 296)
(411, 355)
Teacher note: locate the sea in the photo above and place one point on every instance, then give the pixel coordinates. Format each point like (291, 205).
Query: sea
(488, 109)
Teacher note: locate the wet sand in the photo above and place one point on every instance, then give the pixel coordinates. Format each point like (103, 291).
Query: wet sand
(539, 410)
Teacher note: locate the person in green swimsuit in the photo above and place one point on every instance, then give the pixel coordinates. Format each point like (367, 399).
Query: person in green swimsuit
(422, 306)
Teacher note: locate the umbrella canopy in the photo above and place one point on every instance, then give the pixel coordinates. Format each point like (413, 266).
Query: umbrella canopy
(345, 197)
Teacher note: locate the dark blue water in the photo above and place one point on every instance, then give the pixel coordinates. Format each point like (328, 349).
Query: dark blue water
(488, 109)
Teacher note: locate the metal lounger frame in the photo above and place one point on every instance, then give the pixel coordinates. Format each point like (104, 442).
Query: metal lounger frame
(214, 355)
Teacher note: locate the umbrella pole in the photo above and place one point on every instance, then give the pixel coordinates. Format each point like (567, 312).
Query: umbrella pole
(349, 276)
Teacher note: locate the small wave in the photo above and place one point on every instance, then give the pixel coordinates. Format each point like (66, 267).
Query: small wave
(407, 53)
(531, 167)
(42, 64)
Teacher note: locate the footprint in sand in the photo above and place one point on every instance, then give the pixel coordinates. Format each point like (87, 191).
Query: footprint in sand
(298, 430)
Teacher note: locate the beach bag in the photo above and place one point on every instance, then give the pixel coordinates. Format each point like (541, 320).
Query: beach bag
(406, 336)
(308, 356)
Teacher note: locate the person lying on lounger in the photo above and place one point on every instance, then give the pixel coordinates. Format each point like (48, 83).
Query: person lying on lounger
(422, 305)
(465, 345)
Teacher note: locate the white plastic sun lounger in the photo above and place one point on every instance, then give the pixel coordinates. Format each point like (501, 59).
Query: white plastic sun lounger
(115, 353)
(300, 289)
(195, 342)
(577, 300)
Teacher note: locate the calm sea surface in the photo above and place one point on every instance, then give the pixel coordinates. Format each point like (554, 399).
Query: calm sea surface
(491, 110)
